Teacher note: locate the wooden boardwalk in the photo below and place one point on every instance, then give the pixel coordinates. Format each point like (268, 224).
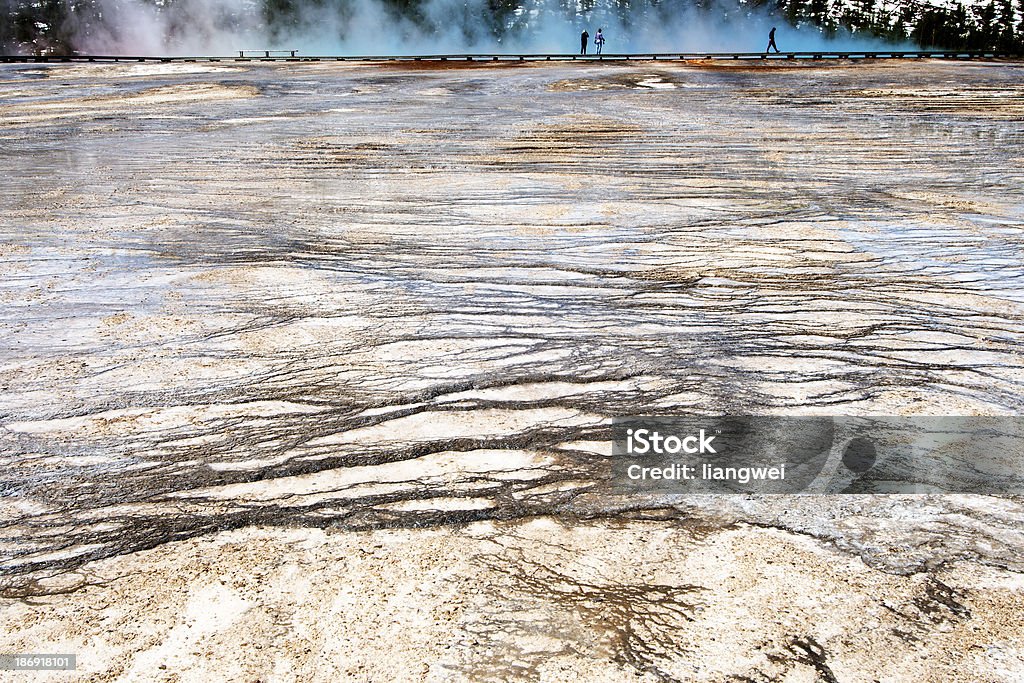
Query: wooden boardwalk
(292, 56)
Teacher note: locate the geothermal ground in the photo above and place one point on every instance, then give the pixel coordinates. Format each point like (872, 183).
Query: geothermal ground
(308, 370)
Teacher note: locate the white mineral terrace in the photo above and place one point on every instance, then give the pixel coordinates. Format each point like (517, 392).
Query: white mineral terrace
(307, 370)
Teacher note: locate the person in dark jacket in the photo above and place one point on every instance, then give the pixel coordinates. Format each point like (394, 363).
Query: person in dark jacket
(771, 42)
(584, 39)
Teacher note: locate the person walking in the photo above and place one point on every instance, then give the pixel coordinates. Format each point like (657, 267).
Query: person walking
(584, 39)
(771, 42)
(599, 40)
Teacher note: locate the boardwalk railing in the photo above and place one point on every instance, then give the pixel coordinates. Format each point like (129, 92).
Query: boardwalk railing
(268, 53)
(291, 56)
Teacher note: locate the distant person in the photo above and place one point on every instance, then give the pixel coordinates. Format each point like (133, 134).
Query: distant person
(599, 40)
(584, 39)
(771, 42)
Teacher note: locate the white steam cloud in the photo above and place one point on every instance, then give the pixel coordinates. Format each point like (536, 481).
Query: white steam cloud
(370, 27)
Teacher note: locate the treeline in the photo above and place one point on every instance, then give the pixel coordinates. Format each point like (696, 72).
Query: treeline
(66, 26)
(993, 25)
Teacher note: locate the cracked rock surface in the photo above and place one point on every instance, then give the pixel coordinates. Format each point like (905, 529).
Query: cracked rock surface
(307, 371)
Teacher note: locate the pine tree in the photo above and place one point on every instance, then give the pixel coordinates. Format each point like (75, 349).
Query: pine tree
(1006, 39)
(1020, 28)
(983, 32)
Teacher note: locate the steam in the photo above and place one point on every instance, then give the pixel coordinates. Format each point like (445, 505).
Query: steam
(169, 28)
(371, 27)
